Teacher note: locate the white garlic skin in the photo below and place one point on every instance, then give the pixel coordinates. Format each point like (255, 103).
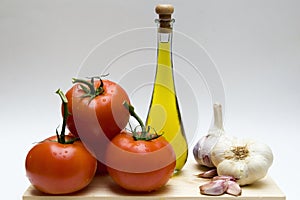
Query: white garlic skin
(248, 166)
(202, 150)
(201, 155)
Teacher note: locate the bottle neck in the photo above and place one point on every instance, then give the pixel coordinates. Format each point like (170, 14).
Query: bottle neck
(164, 50)
(164, 41)
(164, 37)
(164, 71)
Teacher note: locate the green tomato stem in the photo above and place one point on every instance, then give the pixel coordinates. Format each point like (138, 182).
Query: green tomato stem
(91, 91)
(145, 135)
(61, 137)
(87, 83)
(130, 108)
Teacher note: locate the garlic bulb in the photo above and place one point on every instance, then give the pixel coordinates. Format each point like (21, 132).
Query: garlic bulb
(202, 150)
(245, 160)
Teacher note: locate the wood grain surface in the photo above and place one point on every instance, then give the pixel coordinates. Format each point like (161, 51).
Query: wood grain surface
(182, 186)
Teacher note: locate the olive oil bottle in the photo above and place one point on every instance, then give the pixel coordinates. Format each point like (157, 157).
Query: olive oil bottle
(164, 114)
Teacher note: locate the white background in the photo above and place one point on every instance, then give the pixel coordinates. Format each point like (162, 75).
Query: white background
(254, 43)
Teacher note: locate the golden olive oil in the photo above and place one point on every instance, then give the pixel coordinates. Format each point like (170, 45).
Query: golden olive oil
(164, 114)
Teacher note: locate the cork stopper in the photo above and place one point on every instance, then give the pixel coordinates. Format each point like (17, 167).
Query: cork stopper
(164, 11)
(165, 20)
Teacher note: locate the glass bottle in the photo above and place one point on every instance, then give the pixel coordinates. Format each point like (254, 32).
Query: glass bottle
(164, 114)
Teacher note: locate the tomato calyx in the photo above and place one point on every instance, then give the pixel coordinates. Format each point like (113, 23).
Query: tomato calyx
(144, 134)
(89, 88)
(61, 137)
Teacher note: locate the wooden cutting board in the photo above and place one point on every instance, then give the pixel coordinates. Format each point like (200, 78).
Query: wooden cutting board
(182, 186)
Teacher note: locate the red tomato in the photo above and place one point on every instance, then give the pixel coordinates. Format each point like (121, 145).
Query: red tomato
(140, 165)
(97, 114)
(56, 168)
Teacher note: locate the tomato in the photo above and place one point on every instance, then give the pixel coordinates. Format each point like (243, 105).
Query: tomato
(97, 113)
(140, 161)
(56, 168)
(60, 164)
(140, 165)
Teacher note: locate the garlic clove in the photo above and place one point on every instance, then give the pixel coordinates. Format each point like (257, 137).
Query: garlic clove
(233, 188)
(214, 188)
(224, 177)
(208, 174)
